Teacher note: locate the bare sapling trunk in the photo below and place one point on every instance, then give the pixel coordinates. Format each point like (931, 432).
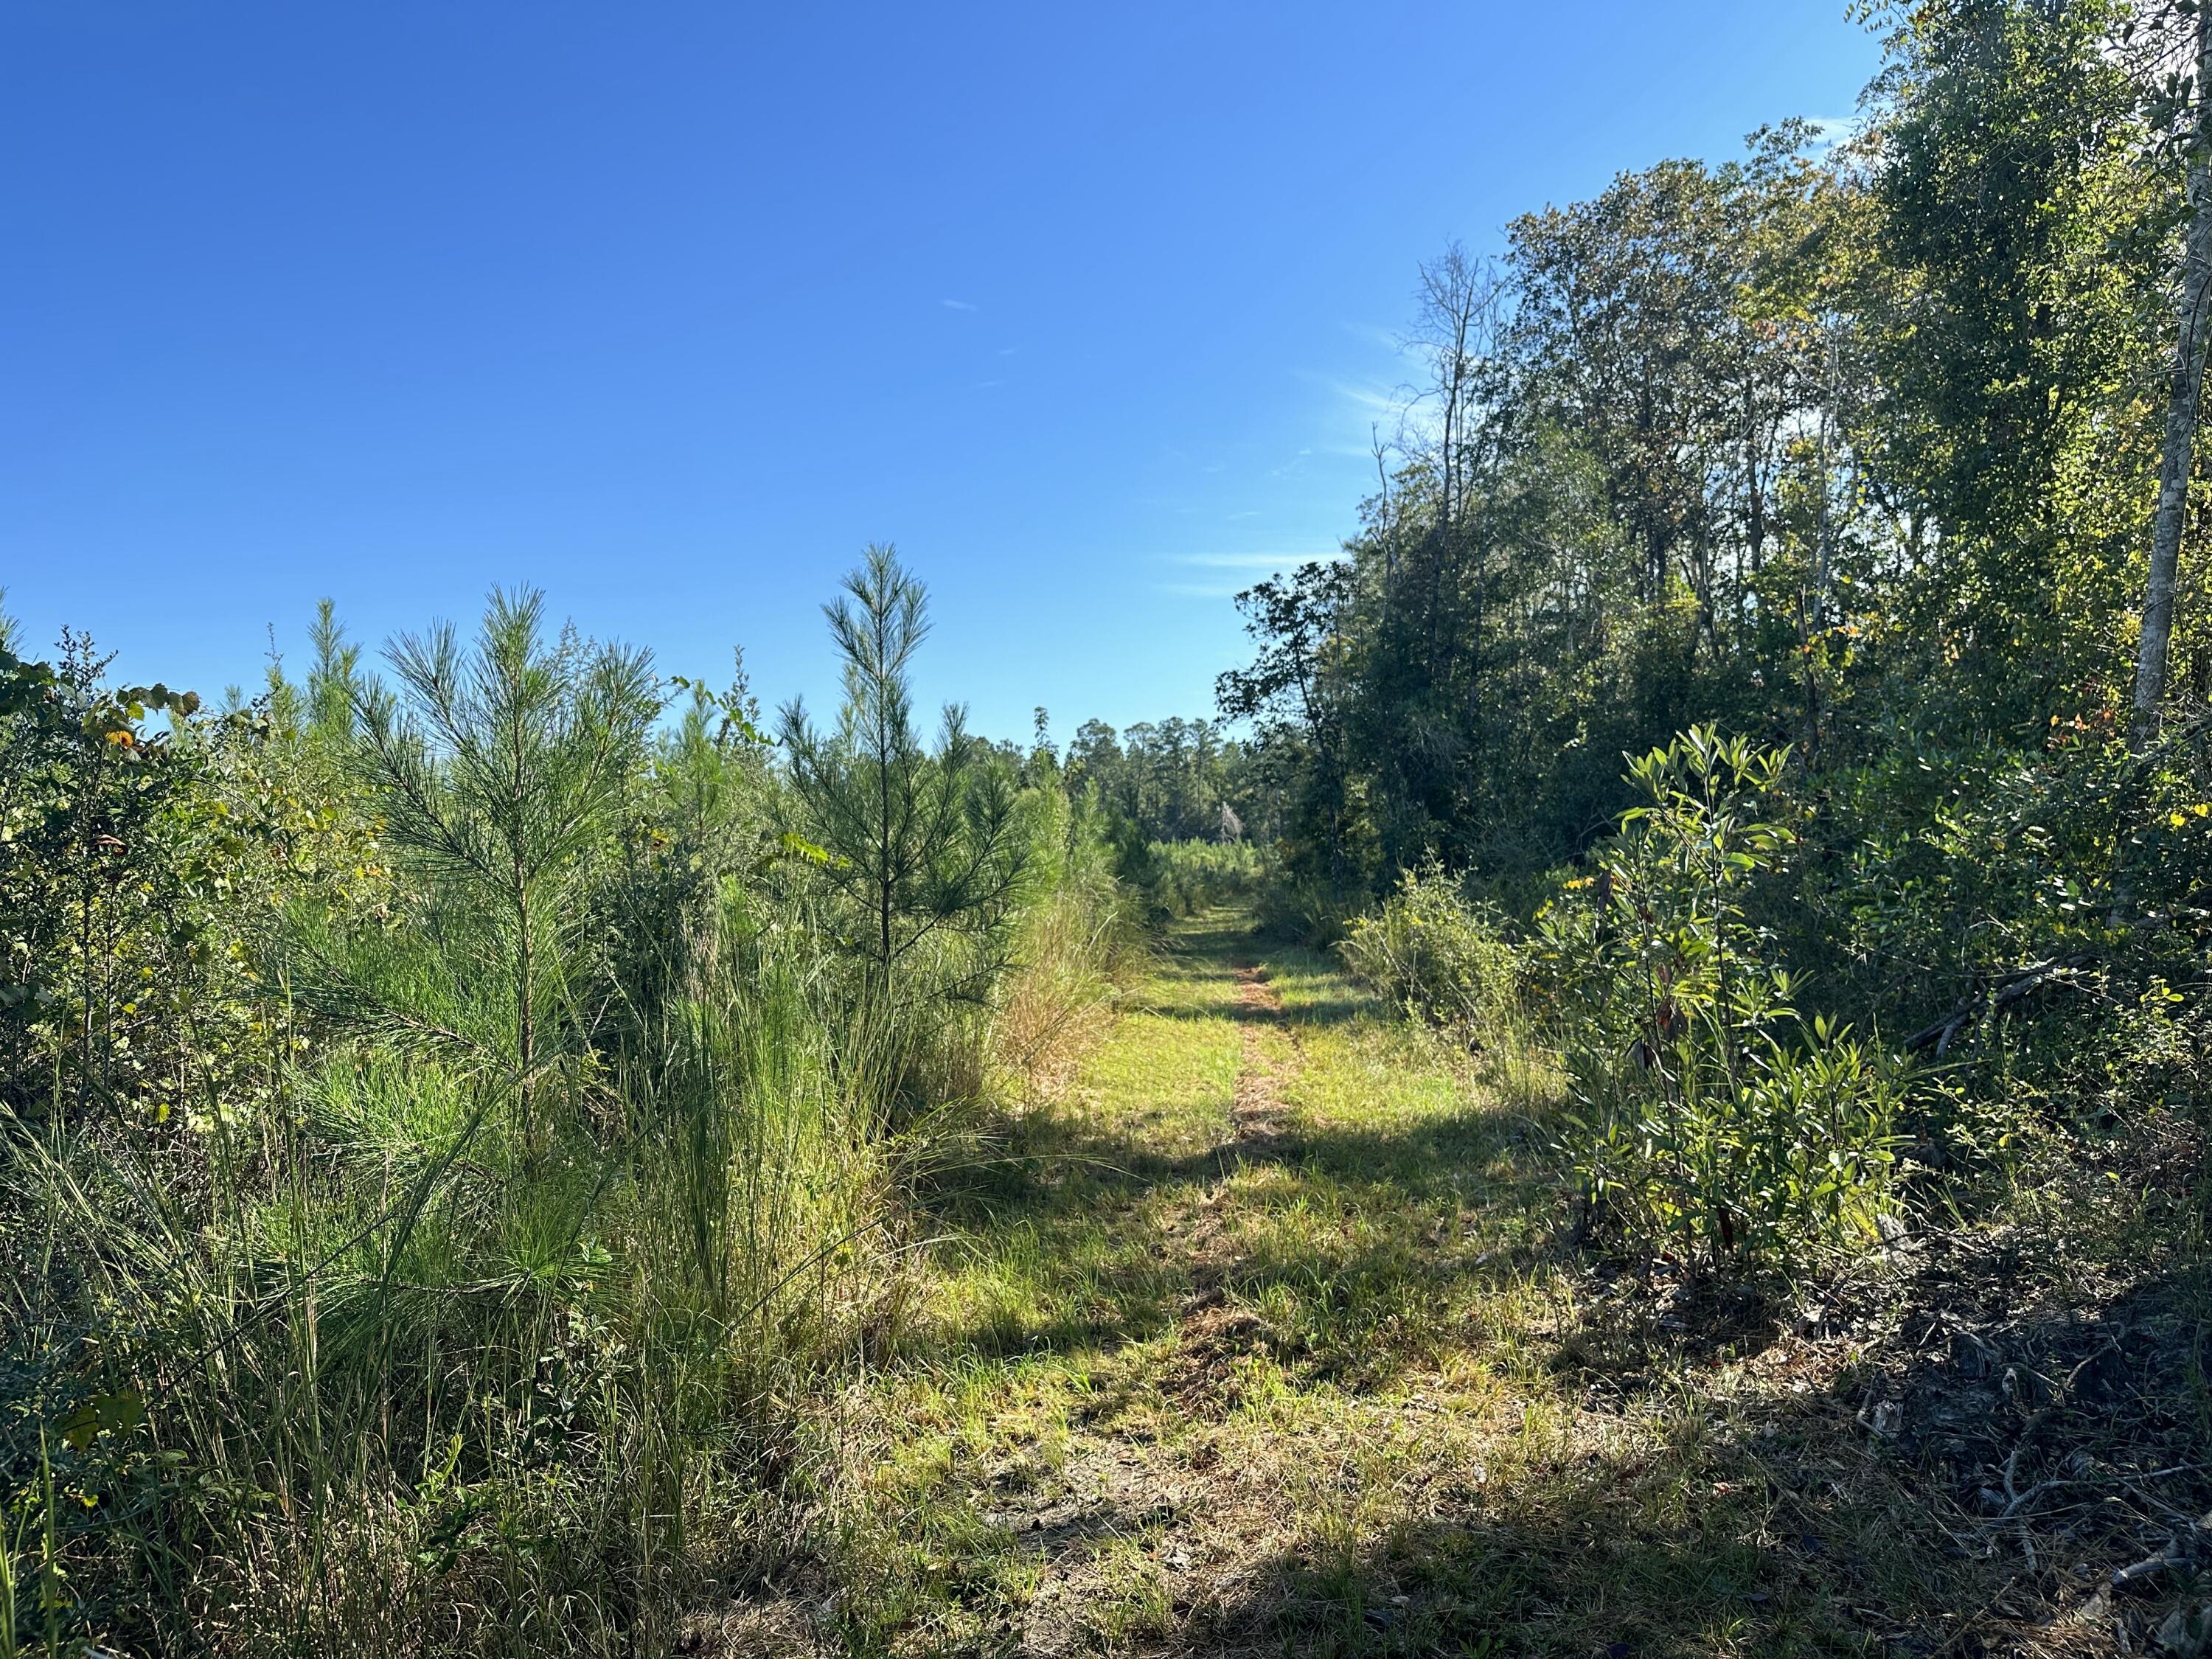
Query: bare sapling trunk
(2177, 462)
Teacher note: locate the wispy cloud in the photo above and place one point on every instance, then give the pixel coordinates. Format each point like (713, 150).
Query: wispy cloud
(1371, 399)
(958, 305)
(1197, 590)
(1249, 568)
(1248, 561)
(1394, 341)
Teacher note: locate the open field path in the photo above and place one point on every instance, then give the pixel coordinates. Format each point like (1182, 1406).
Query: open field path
(1263, 1338)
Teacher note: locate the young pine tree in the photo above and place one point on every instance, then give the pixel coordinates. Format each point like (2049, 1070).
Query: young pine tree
(924, 845)
(497, 770)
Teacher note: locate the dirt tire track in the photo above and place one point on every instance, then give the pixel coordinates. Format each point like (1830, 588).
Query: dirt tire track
(1213, 1571)
(1257, 1111)
(1126, 1481)
(1213, 1336)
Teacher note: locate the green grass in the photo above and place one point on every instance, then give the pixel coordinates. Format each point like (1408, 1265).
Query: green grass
(1304, 1391)
(1268, 1333)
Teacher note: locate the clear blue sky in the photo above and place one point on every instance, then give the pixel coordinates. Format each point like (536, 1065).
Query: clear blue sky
(669, 308)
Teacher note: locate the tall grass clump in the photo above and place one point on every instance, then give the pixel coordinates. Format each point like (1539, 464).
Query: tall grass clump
(411, 1378)
(1081, 929)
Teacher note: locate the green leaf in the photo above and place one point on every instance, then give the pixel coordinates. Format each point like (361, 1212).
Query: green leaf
(104, 1414)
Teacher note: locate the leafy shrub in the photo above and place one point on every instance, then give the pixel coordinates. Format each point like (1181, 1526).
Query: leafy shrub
(1710, 1117)
(1435, 955)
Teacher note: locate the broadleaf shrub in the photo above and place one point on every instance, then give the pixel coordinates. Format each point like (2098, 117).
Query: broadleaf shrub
(1711, 1119)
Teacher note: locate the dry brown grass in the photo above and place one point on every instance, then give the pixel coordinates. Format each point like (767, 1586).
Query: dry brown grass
(1060, 1001)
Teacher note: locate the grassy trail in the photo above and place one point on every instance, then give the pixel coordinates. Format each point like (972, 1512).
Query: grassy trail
(1254, 1343)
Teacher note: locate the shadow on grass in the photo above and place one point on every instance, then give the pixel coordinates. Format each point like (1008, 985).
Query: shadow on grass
(1867, 1514)
(1803, 1523)
(1330, 1010)
(1572, 1571)
(1645, 1545)
(1350, 1251)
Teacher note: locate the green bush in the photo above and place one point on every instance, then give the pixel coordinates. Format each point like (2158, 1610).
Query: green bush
(1305, 907)
(1440, 958)
(1710, 1117)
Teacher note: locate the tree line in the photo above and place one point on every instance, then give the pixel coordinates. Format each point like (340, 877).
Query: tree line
(1772, 667)
(1877, 448)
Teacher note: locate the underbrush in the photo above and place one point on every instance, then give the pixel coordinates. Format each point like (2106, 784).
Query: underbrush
(455, 1132)
(1939, 1285)
(1076, 942)
(560, 1407)
(391, 1374)
(1439, 958)
(1293, 906)
(1181, 878)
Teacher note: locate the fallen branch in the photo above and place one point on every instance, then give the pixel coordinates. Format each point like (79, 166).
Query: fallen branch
(1976, 1005)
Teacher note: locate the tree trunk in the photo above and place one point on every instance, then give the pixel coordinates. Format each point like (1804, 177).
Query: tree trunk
(2176, 464)
(526, 1024)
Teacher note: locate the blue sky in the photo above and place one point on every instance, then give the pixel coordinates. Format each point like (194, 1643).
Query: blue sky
(670, 309)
